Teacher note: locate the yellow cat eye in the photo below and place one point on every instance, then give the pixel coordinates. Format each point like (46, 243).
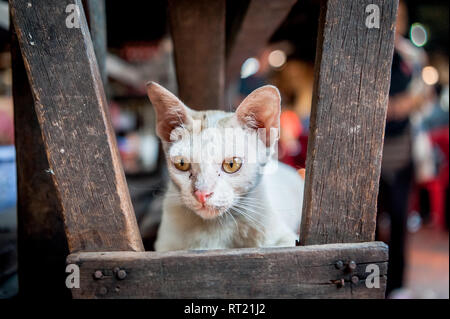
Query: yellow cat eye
(232, 165)
(181, 163)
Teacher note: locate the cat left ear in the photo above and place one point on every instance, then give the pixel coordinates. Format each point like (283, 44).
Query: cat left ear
(170, 111)
(261, 110)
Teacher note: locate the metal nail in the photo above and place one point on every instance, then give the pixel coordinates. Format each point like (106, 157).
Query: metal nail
(121, 274)
(98, 274)
(352, 265)
(355, 279)
(339, 264)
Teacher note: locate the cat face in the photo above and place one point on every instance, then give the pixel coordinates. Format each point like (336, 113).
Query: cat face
(215, 158)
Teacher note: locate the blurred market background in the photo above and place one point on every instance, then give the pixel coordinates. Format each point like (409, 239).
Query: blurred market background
(414, 194)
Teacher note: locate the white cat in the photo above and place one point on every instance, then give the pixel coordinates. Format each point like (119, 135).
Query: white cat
(225, 190)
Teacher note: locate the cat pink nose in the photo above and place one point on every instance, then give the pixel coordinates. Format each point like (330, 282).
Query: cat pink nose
(202, 196)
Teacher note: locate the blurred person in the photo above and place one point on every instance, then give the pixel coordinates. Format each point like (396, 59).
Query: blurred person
(406, 152)
(432, 179)
(396, 170)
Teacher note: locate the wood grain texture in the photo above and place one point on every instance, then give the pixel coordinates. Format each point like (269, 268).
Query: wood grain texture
(198, 33)
(78, 138)
(297, 272)
(353, 65)
(261, 20)
(40, 226)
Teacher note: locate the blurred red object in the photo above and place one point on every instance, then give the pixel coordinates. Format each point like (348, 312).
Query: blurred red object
(437, 186)
(6, 129)
(293, 142)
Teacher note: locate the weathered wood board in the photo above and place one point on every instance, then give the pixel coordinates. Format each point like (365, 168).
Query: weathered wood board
(353, 64)
(40, 226)
(297, 272)
(74, 120)
(198, 33)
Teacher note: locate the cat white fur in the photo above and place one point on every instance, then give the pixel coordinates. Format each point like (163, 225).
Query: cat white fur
(258, 206)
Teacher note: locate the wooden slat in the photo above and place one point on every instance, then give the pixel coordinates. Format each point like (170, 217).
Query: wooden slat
(297, 272)
(348, 114)
(78, 138)
(40, 227)
(261, 20)
(198, 33)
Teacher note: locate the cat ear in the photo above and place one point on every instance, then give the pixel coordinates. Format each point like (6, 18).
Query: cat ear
(261, 110)
(170, 111)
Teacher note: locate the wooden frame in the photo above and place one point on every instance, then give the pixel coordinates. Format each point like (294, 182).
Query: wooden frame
(323, 271)
(77, 160)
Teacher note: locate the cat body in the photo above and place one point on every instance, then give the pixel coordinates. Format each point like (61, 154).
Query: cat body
(225, 188)
(276, 222)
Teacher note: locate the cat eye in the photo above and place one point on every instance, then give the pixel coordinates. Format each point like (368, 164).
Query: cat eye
(232, 165)
(181, 163)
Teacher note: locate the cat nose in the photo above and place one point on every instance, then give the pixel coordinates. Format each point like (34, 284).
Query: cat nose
(202, 195)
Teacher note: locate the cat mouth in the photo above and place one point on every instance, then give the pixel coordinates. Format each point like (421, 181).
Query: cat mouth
(207, 212)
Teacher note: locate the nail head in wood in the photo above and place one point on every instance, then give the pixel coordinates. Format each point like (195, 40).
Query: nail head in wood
(121, 274)
(98, 274)
(355, 279)
(352, 265)
(339, 264)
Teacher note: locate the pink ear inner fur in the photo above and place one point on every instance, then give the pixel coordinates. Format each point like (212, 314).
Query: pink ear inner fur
(261, 109)
(170, 111)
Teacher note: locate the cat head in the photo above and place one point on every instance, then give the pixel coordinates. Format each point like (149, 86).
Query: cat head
(215, 158)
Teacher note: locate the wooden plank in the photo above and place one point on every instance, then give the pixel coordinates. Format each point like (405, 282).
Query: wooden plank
(235, 13)
(295, 272)
(261, 20)
(80, 145)
(348, 114)
(198, 33)
(40, 227)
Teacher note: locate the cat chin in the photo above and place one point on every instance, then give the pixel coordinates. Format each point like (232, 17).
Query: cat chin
(208, 213)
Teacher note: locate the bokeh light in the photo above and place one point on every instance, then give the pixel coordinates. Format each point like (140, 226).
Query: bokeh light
(418, 35)
(249, 67)
(430, 75)
(277, 58)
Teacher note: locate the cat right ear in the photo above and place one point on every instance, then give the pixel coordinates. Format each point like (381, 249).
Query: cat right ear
(170, 111)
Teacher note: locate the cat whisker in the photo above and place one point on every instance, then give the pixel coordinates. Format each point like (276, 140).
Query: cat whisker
(293, 211)
(245, 215)
(227, 212)
(250, 210)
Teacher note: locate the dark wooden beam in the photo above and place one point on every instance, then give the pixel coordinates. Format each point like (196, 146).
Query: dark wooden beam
(260, 21)
(40, 228)
(353, 65)
(79, 141)
(198, 33)
(298, 272)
